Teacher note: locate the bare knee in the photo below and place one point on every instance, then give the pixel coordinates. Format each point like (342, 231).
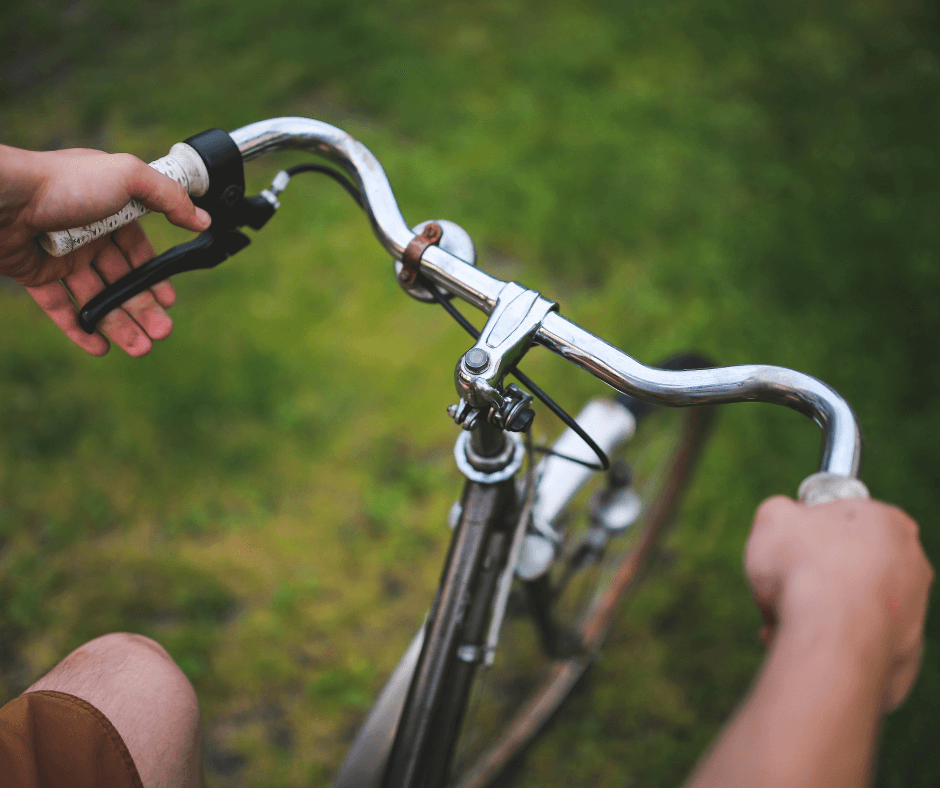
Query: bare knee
(98, 666)
(136, 684)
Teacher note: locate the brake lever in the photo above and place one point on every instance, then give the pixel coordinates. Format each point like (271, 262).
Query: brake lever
(206, 250)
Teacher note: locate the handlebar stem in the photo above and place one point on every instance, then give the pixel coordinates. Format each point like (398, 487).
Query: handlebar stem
(504, 339)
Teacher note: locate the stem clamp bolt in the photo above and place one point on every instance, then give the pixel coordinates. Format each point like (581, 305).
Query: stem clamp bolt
(476, 360)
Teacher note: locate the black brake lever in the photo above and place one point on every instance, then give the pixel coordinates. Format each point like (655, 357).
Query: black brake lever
(206, 250)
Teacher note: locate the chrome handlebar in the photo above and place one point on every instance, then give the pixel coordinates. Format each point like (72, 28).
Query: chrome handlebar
(841, 435)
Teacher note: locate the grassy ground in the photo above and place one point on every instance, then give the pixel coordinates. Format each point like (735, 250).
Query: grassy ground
(265, 497)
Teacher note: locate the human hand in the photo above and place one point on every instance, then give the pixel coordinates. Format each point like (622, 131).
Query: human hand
(852, 568)
(59, 190)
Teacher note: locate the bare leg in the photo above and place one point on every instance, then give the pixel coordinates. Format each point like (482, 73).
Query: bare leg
(136, 684)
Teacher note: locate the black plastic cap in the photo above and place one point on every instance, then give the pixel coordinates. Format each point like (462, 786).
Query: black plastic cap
(223, 159)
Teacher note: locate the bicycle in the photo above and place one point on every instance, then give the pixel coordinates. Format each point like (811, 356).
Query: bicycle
(540, 557)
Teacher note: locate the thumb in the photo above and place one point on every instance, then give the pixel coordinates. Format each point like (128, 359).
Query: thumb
(161, 193)
(766, 558)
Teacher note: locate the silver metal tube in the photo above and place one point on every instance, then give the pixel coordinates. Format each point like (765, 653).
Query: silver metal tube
(841, 435)
(842, 441)
(266, 136)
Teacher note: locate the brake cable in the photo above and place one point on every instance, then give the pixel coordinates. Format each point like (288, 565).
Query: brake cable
(331, 172)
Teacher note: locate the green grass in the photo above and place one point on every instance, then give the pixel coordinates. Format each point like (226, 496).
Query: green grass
(265, 493)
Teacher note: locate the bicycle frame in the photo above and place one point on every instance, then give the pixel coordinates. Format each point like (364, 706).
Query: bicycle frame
(487, 511)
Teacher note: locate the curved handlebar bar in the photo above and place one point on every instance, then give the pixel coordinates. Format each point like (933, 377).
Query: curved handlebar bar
(223, 154)
(841, 435)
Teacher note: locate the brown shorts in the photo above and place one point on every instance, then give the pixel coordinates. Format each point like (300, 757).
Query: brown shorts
(56, 740)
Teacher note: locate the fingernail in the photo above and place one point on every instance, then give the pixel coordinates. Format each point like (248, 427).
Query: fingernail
(204, 219)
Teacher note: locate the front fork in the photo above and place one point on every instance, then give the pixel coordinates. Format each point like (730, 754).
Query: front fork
(456, 626)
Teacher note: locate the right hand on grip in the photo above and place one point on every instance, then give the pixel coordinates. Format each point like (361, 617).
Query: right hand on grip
(182, 164)
(850, 572)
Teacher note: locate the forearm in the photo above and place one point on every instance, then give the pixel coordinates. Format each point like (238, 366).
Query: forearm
(811, 719)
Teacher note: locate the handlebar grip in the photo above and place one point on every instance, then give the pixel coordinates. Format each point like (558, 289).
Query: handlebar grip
(183, 164)
(825, 487)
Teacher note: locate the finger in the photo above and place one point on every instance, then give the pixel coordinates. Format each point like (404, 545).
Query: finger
(771, 526)
(117, 324)
(903, 677)
(769, 626)
(772, 510)
(163, 194)
(165, 293)
(38, 268)
(54, 300)
(133, 243)
(766, 635)
(765, 552)
(137, 249)
(143, 307)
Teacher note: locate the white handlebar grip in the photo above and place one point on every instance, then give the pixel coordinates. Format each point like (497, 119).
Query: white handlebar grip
(182, 164)
(824, 487)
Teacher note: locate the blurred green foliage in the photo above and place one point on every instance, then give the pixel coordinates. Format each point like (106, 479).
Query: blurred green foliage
(265, 492)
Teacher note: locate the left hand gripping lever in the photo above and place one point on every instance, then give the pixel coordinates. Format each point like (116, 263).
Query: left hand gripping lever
(221, 186)
(206, 250)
